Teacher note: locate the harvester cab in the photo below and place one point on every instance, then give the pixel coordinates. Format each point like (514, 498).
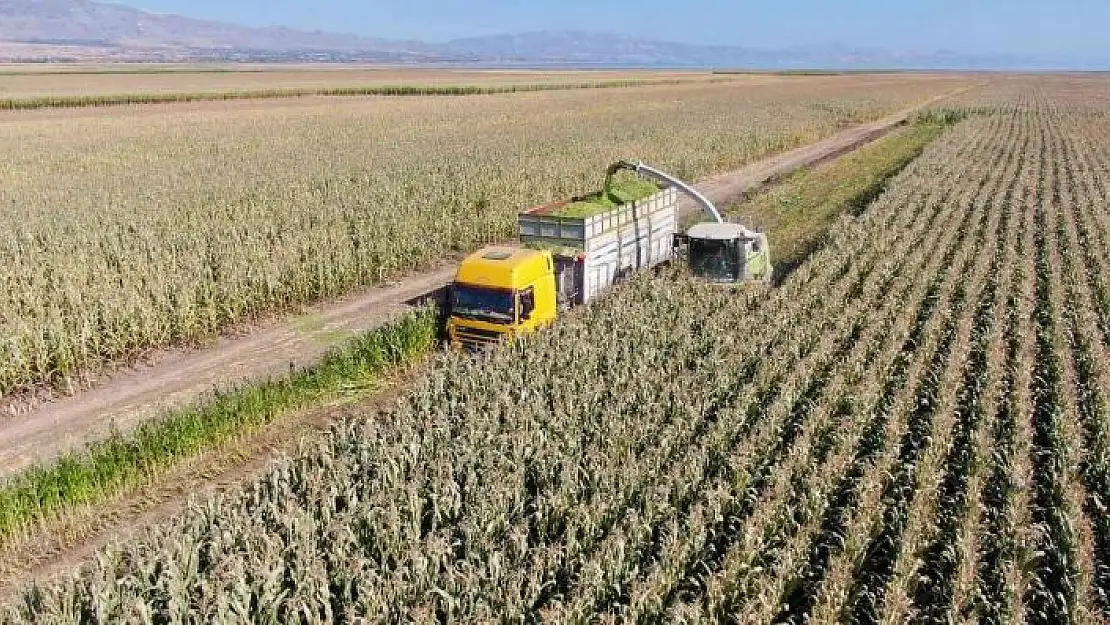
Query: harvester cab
(717, 251)
(727, 253)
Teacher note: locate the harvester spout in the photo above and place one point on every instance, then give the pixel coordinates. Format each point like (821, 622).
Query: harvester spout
(647, 170)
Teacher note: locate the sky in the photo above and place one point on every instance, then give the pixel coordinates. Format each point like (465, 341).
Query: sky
(1046, 27)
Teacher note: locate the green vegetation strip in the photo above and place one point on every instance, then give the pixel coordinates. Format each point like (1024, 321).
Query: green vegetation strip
(85, 101)
(109, 467)
(811, 199)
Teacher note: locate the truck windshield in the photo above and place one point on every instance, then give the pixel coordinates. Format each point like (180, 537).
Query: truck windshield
(482, 304)
(714, 260)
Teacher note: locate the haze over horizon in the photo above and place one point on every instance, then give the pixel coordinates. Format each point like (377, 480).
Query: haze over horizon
(1067, 29)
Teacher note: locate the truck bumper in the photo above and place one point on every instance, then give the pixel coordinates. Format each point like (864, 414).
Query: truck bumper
(474, 339)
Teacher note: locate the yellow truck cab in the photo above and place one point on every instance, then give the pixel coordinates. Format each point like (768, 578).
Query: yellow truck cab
(499, 292)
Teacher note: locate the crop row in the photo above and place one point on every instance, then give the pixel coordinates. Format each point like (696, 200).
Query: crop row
(908, 406)
(783, 549)
(1081, 276)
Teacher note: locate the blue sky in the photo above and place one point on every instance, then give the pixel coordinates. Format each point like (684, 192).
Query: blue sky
(1054, 27)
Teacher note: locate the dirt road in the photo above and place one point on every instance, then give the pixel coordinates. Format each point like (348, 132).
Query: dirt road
(180, 377)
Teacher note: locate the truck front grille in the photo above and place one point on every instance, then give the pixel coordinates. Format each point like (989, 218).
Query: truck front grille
(475, 339)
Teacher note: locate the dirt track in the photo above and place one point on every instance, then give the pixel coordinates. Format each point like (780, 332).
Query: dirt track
(177, 377)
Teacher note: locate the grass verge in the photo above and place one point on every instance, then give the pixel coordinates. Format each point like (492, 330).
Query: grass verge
(111, 466)
(87, 101)
(797, 213)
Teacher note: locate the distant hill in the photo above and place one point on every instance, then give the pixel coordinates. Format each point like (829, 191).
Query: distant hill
(83, 29)
(75, 21)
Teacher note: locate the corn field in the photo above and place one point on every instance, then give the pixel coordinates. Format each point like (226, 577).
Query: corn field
(141, 227)
(913, 428)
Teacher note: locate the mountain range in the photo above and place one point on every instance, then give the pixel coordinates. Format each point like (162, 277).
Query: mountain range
(60, 30)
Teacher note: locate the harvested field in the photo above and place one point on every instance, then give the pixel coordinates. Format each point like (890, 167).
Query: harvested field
(134, 230)
(913, 427)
